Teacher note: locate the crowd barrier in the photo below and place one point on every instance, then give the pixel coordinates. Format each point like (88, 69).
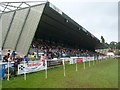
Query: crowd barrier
(34, 66)
(56, 62)
(3, 67)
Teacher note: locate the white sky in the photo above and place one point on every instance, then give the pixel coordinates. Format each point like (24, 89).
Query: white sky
(100, 17)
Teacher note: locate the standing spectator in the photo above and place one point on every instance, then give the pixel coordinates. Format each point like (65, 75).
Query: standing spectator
(26, 59)
(9, 53)
(13, 54)
(5, 58)
(16, 62)
(8, 71)
(15, 67)
(33, 57)
(42, 58)
(10, 59)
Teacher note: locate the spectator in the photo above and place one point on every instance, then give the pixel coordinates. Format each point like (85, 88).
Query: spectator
(10, 59)
(26, 59)
(16, 60)
(33, 57)
(9, 53)
(42, 58)
(13, 54)
(5, 58)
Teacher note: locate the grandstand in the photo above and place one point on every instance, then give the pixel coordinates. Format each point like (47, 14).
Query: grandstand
(23, 25)
(68, 48)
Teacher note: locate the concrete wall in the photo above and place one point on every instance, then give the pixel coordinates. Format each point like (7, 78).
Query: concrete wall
(15, 29)
(0, 34)
(19, 27)
(29, 29)
(6, 20)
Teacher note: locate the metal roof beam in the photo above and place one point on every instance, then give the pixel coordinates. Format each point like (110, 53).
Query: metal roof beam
(9, 6)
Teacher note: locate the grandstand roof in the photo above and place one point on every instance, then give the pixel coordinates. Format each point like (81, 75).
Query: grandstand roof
(10, 6)
(21, 25)
(56, 25)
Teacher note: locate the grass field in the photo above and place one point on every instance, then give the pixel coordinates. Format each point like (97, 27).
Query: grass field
(100, 75)
(0, 84)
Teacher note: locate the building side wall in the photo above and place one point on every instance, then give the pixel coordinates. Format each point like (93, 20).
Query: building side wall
(15, 29)
(19, 27)
(29, 29)
(0, 34)
(6, 20)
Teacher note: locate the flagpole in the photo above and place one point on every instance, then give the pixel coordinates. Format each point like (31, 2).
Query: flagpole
(89, 62)
(46, 69)
(64, 67)
(102, 59)
(8, 78)
(24, 71)
(76, 65)
(98, 60)
(84, 63)
(46, 73)
(93, 61)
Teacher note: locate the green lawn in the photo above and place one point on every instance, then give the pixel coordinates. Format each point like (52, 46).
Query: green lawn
(0, 84)
(100, 75)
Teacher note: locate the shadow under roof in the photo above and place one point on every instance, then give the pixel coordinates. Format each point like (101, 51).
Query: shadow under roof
(57, 26)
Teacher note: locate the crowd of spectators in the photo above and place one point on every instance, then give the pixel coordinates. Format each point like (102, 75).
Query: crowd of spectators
(48, 50)
(12, 57)
(58, 50)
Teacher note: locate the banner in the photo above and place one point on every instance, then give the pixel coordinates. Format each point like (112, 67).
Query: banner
(72, 61)
(85, 59)
(32, 66)
(79, 60)
(54, 62)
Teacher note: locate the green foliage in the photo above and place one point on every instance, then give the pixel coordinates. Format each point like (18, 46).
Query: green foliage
(113, 45)
(102, 39)
(118, 45)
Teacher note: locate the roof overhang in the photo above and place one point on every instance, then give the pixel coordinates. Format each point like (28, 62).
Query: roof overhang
(56, 25)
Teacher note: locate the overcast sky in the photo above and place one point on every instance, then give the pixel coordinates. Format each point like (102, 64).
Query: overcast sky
(100, 17)
(97, 16)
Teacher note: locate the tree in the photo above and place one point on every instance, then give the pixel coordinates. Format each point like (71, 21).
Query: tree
(113, 45)
(102, 39)
(106, 44)
(118, 45)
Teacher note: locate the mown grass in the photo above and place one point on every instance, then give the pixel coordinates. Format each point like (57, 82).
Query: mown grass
(0, 84)
(102, 74)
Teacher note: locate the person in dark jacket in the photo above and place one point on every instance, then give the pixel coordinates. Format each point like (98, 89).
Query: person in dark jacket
(26, 59)
(16, 62)
(13, 54)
